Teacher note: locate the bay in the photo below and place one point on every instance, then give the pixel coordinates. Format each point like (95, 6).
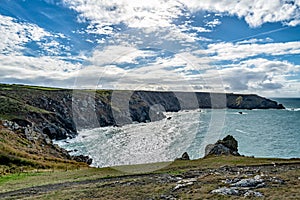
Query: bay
(260, 133)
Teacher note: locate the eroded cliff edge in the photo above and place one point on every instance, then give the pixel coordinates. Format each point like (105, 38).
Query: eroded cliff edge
(58, 113)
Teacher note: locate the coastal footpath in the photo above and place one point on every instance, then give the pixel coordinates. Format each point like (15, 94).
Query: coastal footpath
(60, 113)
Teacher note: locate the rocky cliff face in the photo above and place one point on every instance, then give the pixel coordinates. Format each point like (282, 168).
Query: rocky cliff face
(58, 113)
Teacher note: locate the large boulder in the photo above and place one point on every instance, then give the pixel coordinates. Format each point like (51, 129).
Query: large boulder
(227, 146)
(185, 156)
(82, 158)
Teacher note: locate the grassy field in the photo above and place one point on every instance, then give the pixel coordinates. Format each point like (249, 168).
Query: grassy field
(108, 183)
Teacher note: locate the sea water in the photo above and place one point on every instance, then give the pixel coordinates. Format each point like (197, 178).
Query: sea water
(260, 133)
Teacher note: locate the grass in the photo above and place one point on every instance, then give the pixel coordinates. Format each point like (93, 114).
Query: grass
(11, 108)
(145, 188)
(17, 87)
(18, 154)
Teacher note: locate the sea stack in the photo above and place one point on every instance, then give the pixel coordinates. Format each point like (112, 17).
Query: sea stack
(226, 146)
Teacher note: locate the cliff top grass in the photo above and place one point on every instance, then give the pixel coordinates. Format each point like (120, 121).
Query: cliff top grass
(11, 108)
(18, 87)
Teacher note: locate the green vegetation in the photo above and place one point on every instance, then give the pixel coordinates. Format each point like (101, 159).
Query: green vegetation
(11, 108)
(17, 87)
(18, 154)
(108, 183)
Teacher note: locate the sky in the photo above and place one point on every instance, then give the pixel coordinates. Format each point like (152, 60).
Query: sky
(240, 46)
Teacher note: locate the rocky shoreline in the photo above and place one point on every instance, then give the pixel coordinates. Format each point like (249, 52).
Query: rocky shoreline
(60, 113)
(31, 142)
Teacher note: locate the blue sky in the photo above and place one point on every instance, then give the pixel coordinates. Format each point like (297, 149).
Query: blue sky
(247, 46)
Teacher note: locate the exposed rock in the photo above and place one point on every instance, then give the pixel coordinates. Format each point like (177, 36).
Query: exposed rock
(13, 126)
(227, 146)
(251, 193)
(22, 122)
(245, 187)
(82, 158)
(54, 132)
(185, 156)
(167, 197)
(250, 182)
(225, 191)
(184, 183)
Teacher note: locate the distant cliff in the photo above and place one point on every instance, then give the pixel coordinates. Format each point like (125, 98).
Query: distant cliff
(59, 112)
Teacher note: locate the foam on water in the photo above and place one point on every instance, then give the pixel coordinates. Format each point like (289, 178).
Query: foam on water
(293, 109)
(139, 143)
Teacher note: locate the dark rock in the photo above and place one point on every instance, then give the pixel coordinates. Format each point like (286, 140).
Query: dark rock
(22, 122)
(227, 146)
(54, 132)
(185, 156)
(230, 142)
(82, 158)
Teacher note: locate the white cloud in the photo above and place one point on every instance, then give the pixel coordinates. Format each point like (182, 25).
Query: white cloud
(255, 40)
(44, 70)
(255, 12)
(230, 51)
(258, 76)
(160, 13)
(118, 54)
(14, 35)
(134, 13)
(201, 29)
(213, 23)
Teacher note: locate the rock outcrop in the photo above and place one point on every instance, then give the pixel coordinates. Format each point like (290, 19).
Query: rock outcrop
(185, 156)
(82, 158)
(37, 143)
(227, 146)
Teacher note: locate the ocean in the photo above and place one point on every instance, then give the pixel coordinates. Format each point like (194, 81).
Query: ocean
(260, 133)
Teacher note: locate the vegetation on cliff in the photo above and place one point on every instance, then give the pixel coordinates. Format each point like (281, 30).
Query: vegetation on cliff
(25, 150)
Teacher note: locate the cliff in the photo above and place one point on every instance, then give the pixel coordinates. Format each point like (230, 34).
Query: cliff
(58, 113)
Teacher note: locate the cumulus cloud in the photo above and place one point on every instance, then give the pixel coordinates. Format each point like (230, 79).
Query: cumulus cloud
(156, 14)
(254, 12)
